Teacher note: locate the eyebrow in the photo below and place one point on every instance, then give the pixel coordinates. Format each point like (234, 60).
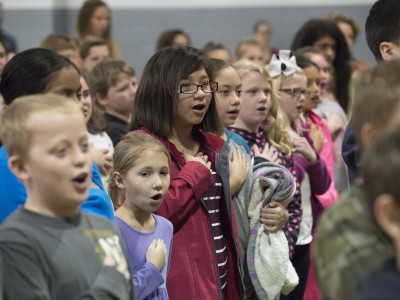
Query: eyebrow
(201, 78)
(228, 86)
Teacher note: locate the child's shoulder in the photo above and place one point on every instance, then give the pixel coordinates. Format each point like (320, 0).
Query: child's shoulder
(97, 220)
(18, 225)
(163, 222)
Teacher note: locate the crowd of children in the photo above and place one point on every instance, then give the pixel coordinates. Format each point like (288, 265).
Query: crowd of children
(215, 176)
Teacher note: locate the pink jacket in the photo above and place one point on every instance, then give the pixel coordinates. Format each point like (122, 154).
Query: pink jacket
(327, 154)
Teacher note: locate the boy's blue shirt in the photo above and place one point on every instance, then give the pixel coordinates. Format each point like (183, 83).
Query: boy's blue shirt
(13, 193)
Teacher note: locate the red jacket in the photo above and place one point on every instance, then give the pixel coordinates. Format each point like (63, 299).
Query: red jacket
(193, 267)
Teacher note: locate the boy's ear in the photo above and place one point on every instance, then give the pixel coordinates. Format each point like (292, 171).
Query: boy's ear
(387, 215)
(387, 50)
(119, 180)
(102, 101)
(18, 167)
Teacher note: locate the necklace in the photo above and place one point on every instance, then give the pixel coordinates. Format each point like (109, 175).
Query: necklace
(194, 147)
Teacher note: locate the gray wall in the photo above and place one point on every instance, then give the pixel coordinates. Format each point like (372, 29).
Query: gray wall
(136, 30)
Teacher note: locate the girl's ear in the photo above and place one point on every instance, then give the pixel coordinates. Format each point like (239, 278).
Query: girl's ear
(18, 167)
(119, 180)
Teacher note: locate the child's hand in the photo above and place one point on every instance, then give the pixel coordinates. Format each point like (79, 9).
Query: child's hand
(157, 253)
(303, 147)
(203, 159)
(238, 168)
(269, 153)
(103, 160)
(317, 136)
(274, 217)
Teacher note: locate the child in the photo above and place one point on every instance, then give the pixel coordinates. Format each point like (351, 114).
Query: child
(332, 113)
(173, 37)
(262, 32)
(214, 50)
(175, 103)
(141, 174)
(250, 49)
(289, 85)
(94, 19)
(92, 51)
(325, 35)
(256, 107)
(348, 224)
(50, 249)
(64, 46)
(51, 73)
(382, 31)
(100, 142)
(113, 86)
(227, 98)
(317, 127)
(380, 167)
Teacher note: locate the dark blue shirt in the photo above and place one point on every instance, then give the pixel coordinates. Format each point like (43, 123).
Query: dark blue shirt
(351, 152)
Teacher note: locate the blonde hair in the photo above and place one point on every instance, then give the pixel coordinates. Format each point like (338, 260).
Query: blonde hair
(276, 86)
(127, 152)
(17, 120)
(276, 126)
(57, 43)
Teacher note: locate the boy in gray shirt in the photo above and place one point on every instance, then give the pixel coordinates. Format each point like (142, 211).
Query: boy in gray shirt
(49, 248)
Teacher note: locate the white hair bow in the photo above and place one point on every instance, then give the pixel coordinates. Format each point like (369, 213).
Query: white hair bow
(284, 63)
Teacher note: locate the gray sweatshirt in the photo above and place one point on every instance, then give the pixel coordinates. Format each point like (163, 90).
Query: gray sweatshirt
(62, 258)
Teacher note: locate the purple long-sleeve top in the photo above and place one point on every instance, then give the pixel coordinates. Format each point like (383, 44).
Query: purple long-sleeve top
(149, 282)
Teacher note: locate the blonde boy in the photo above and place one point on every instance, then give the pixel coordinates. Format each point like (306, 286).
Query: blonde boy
(50, 249)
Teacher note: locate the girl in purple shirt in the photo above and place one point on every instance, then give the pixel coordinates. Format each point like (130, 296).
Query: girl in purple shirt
(140, 175)
(289, 87)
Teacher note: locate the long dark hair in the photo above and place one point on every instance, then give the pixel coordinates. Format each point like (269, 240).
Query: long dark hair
(155, 101)
(309, 34)
(84, 17)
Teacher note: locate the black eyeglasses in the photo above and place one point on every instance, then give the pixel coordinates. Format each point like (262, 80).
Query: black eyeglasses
(296, 92)
(192, 88)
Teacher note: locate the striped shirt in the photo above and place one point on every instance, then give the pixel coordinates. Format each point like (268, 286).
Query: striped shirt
(212, 199)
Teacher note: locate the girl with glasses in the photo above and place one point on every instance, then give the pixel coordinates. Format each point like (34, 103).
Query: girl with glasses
(290, 90)
(175, 104)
